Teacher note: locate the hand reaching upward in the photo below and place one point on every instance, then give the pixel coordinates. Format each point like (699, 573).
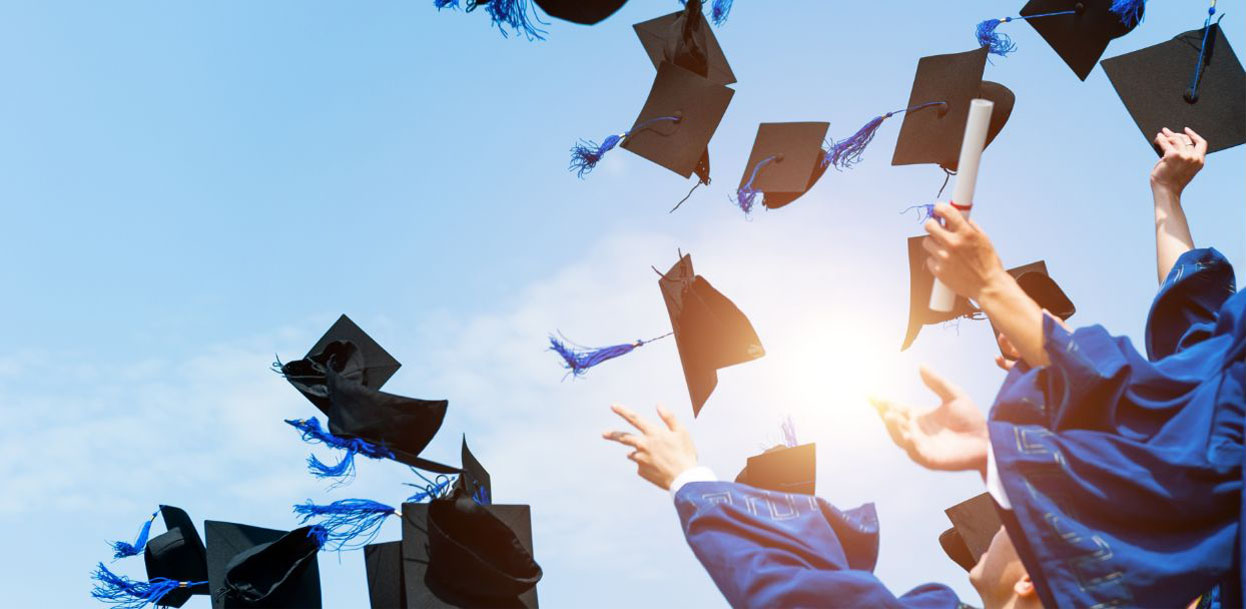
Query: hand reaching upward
(952, 436)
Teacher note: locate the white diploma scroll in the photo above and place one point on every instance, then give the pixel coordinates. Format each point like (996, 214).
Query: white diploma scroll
(941, 298)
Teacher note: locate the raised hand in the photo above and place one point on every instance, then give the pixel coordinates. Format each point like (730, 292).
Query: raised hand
(951, 437)
(960, 254)
(1184, 154)
(661, 452)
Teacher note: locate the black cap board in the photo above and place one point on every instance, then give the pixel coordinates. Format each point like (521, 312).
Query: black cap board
(783, 470)
(954, 546)
(490, 565)
(678, 120)
(934, 123)
(386, 585)
(373, 368)
(256, 567)
(403, 425)
(975, 522)
(661, 39)
(177, 554)
(584, 12)
(1079, 38)
(1157, 86)
(786, 161)
(1039, 286)
(921, 282)
(474, 478)
(710, 331)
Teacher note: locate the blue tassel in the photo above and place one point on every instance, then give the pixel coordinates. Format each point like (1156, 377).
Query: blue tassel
(586, 154)
(578, 359)
(342, 470)
(996, 43)
(925, 211)
(320, 534)
(346, 521)
(847, 152)
(431, 489)
(746, 194)
(440, 4)
(125, 593)
(514, 13)
(122, 549)
(1130, 11)
(789, 432)
(719, 12)
(481, 496)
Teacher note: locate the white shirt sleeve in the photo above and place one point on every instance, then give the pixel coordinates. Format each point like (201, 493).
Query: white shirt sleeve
(993, 484)
(699, 473)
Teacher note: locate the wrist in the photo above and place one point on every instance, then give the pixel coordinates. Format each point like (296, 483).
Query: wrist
(996, 286)
(1165, 191)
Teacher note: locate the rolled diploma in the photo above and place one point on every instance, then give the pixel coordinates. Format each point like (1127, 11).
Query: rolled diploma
(941, 298)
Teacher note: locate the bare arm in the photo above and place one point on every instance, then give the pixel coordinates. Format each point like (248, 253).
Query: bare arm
(1183, 158)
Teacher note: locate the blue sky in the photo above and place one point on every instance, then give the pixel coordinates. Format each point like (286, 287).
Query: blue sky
(190, 188)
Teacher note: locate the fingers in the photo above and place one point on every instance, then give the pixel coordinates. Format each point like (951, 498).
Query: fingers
(936, 250)
(632, 418)
(668, 417)
(1165, 144)
(1004, 364)
(1200, 144)
(942, 388)
(952, 218)
(625, 439)
(937, 232)
(895, 418)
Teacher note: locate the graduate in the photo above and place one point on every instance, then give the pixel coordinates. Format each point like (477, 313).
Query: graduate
(1123, 472)
(770, 549)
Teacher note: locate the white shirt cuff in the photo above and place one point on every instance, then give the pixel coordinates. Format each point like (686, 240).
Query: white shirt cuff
(699, 473)
(993, 484)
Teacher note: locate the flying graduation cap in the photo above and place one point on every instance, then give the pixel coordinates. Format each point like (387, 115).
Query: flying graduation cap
(176, 564)
(1078, 30)
(1032, 278)
(583, 12)
(789, 467)
(710, 333)
(685, 104)
(1194, 80)
(974, 524)
(786, 161)
(256, 567)
(934, 119)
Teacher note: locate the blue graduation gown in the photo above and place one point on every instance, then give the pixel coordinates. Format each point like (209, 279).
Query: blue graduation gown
(1124, 474)
(1185, 309)
(768, 549)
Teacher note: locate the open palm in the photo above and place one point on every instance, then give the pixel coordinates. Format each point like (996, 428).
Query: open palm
(952, 436)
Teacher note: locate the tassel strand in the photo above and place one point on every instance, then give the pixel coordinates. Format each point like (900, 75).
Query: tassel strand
(585, 154)
(123, 549)
(847, 152)
(125, 593)
(578, 360)
(346, 524)
(1002, 44)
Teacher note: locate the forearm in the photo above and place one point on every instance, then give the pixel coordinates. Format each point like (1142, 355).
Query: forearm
(1172, 232)
(1017, 316)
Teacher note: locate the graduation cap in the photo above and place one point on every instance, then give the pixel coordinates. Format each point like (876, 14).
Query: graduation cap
(1078, 30)
(583, 12)
(1194, 80)
(710, 333)
(685, 39)
(256, 567)
(386, 585)
(367, 362)
(974, 524)
(785, 468)
(175, 560)
(786, 161)
(921, 281)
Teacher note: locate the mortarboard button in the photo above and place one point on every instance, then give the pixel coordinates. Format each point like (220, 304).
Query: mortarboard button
(1179, 83)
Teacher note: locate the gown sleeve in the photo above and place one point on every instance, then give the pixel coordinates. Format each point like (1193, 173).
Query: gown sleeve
(768, 549)
(1124, 474)
(1184, 310)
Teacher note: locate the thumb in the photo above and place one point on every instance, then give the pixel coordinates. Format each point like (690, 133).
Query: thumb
(942, 388)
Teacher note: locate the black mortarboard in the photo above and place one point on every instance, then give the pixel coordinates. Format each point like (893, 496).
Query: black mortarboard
(783, 469)
(256, 567)
(974, 524)
(386, 585)
(1157, 85)
(710, 332)
(787, 160)
(177, 554)
(1080, 37)
(921, 281)
(696, 104)
(1039, 286)
(402, 425)
(474, 478)
(934, 121)
(373, 366)
(663, 39)
(584, 12)
(458, 553)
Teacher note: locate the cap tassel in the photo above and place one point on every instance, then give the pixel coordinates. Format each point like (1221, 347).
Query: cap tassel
(1001, 44)
(342, 470)
(789, 432)
(746, 194)
(346, 524)
(122, 549)
(481, 496)
(514, 13)
(578, 359)
(1130, 11)
(432, 489)
(585, 154)
(719, 10)
(925, 211)
(451, 4)
(125, 593)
